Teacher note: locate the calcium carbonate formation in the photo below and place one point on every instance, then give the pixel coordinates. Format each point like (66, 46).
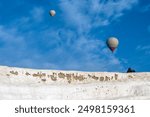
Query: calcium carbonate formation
(21, 83)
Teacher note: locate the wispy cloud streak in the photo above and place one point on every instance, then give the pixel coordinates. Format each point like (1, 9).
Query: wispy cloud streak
(71, 46)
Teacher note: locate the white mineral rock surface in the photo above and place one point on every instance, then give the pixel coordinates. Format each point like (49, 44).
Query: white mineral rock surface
(21, 83)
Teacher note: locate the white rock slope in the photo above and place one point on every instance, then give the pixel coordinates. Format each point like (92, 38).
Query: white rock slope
(20, 83)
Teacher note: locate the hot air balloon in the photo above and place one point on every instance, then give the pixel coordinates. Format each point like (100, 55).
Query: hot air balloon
(52, 12)
(112, 43)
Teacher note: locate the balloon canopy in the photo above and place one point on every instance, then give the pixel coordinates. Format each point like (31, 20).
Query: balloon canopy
(112, 43)
(52, 12)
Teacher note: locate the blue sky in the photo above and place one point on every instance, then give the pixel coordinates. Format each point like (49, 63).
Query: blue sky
(75, 38)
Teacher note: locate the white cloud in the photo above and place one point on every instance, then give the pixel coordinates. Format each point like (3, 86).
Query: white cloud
(13, 45)
(74, 14)
(71, 46)
(84, 16)
(87, 14)
(37, 14)
(10, 36)
(33, 18)
(16, 49)
(144, 48)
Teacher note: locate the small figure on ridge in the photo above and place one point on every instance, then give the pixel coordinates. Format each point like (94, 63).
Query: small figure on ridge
(130, 70)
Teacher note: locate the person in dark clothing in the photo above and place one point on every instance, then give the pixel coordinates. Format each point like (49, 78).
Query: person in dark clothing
(130, 70)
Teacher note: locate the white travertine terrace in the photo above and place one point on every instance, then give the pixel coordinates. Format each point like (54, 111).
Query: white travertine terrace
(21, 83)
